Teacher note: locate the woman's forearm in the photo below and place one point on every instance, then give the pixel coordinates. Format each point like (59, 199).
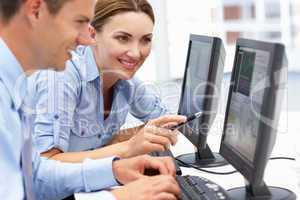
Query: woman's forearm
(119, 149)
(116, 147)
(125, 134)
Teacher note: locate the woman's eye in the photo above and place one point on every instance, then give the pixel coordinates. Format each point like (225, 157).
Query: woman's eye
(122, 39)
(147, 40)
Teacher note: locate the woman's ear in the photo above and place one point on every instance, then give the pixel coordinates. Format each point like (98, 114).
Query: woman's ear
(88, 37)
(92, 32)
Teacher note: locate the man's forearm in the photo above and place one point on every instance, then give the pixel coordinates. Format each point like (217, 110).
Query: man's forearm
(56, 180)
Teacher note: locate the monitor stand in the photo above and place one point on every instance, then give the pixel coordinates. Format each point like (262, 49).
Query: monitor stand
(203, 158)
(261, 193)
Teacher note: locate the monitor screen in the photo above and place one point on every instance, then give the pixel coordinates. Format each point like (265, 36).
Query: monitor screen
(200, 93)
(196, 77)
(201, 86)
(194, 86)
(246, 101)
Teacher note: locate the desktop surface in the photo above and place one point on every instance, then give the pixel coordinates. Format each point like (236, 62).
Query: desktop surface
(281, 173)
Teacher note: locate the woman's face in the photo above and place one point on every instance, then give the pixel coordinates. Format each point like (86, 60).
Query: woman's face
(123, 44)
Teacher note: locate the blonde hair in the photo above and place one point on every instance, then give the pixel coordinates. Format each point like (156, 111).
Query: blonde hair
(105, 9)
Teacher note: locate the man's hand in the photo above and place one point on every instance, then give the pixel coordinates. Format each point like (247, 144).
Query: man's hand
(161, 187)
(154, 136)
(131, 169)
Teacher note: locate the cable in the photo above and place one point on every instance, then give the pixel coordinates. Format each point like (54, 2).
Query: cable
(282, 158)
(225, 173)
(204, 170)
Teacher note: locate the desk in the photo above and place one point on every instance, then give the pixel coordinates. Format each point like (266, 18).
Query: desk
(281, 173)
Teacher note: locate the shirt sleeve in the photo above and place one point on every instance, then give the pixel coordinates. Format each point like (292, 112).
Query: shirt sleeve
(10, 149)
(146, 103)
(55, 97)
(105, 195)
(57, 180)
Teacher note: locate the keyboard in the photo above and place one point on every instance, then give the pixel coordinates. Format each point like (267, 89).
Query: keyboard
(162, 153)
(194, 188)
(167, 153)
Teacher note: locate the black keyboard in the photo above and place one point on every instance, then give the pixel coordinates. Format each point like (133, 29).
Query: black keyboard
(167, 153)
(193, 188)
(162, 153)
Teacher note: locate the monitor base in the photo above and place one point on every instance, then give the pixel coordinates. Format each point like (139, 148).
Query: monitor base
(193, 159)
(277, 193)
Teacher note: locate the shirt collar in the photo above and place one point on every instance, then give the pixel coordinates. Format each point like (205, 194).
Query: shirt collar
(91, 69)
(12, 75)
(124, 85)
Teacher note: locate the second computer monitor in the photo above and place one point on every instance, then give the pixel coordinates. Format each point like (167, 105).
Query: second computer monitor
(200, 93)
(252, 114)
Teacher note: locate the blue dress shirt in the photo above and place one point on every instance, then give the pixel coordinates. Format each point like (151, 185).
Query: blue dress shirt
(70, 105)
(51, 179)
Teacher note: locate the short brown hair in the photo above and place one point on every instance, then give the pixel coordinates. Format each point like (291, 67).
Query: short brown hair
(105, 9)
(9, 8)
(54, 6)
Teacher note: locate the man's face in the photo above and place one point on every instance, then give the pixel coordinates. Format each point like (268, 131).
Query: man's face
(56, 35)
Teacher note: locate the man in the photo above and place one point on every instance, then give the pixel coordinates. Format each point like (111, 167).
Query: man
(41, 33)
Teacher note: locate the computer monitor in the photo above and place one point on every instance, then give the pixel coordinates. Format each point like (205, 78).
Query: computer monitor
(252, 113)
(201, 89)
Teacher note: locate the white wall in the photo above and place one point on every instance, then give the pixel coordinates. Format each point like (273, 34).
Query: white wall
(176, 19)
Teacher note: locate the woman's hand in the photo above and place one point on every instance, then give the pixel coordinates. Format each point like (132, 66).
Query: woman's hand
(155, 136)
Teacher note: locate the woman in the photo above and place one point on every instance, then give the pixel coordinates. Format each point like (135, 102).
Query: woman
(88, 103)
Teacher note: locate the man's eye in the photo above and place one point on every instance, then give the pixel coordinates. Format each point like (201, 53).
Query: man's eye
(80, 21)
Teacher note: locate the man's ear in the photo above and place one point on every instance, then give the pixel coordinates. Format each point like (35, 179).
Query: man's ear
(33, 8)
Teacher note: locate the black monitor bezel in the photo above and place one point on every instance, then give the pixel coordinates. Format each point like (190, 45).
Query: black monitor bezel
(254, 172)
(199, 140)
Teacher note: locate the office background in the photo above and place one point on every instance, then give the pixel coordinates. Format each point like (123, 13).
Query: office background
(269, 20)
